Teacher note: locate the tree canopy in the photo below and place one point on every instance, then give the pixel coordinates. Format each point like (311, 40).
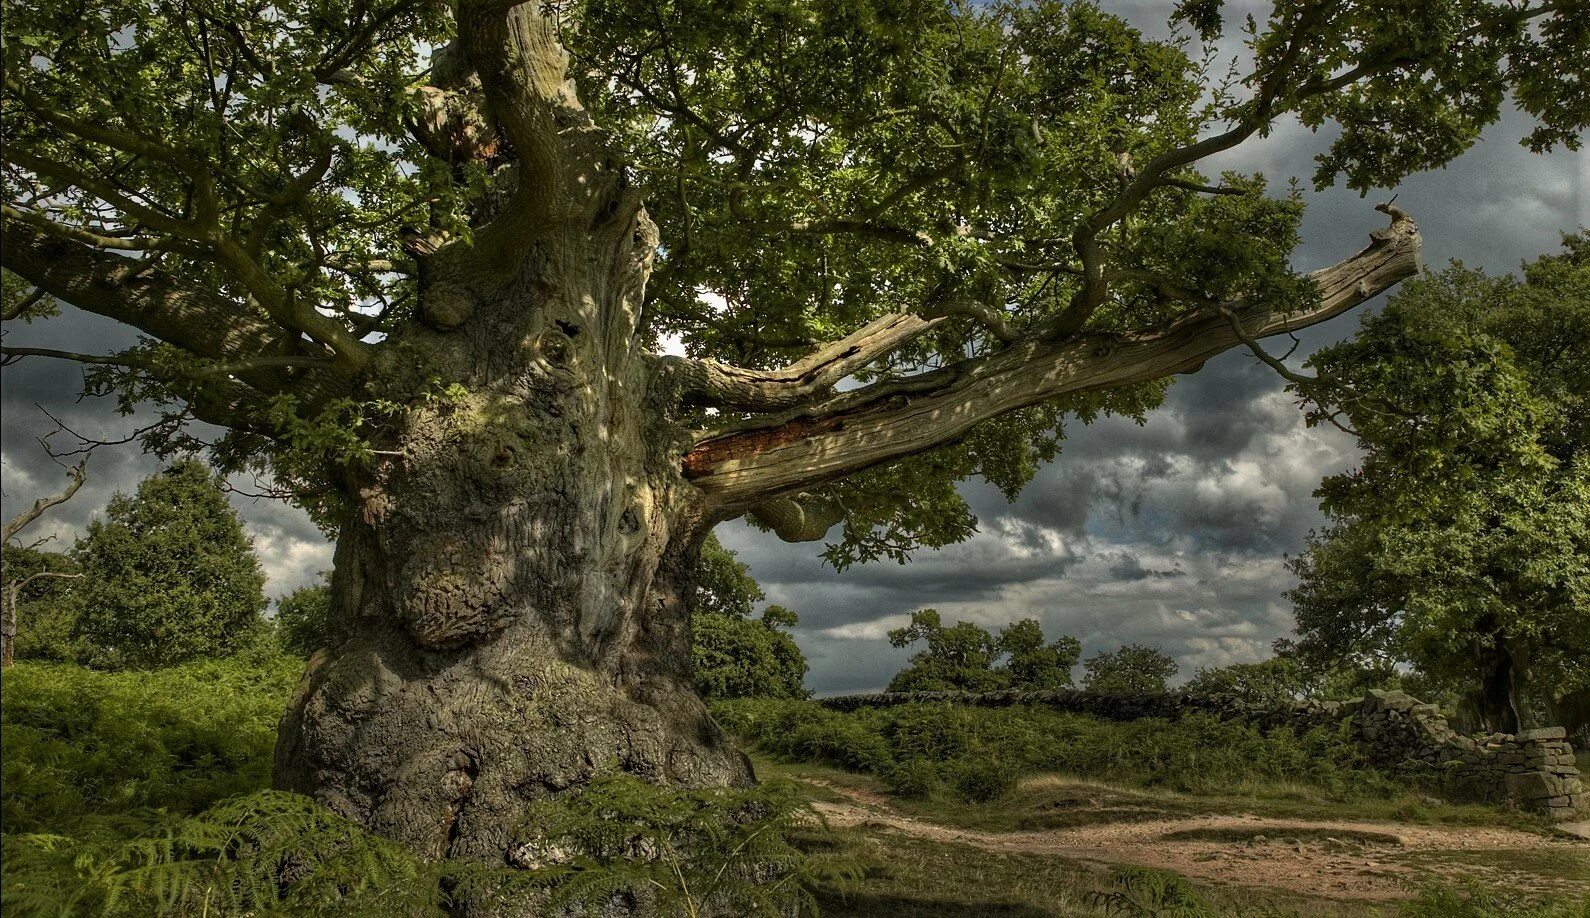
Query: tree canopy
(968, 658)
(168, 575)
(973, 202)
(1133, 669)
(1461, 544)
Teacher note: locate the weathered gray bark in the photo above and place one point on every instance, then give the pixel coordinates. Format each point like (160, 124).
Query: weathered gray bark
(514, 575)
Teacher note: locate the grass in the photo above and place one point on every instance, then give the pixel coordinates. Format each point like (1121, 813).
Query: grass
(904, 877)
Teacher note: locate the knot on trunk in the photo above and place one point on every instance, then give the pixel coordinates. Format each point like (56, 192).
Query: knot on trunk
(802, 518)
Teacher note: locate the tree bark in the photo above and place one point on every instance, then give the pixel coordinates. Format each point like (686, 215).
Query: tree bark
(514, 576)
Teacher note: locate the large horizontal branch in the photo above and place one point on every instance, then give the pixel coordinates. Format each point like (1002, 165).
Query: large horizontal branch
(204, 324)
(743, 469)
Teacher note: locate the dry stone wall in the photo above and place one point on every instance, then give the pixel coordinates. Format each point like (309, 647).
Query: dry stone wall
(1534, 769)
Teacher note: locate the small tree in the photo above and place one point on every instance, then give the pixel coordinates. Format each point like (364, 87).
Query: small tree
(1135, 669)
(169, 575)
(958, 658)
(303, 620)
(735, 654)
(1034, 665)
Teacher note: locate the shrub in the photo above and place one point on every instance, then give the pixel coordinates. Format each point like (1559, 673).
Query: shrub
(912, 778)
(983, 780)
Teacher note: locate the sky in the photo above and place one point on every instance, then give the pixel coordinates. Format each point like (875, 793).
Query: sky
(1173, 533)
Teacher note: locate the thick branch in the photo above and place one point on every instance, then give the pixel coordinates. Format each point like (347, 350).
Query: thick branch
(523, 68)
(741, 470)
(712, 383)
(146, 298)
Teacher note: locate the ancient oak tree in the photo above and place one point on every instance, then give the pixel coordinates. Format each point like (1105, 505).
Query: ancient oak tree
(417, 260)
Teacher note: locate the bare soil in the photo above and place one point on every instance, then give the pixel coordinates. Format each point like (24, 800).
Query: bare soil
(1331, 859)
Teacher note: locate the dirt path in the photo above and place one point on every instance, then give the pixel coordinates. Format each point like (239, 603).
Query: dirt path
(1329, 859)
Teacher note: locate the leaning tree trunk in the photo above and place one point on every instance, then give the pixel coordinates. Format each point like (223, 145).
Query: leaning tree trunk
(514, 574)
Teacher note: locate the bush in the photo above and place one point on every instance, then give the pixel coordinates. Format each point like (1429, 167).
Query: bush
(984, 780)
(912, 778)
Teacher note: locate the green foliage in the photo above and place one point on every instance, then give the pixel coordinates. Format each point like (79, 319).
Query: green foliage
(1033, 665)
(958, 658)
(983, 781)
(1280, 678)
(748, 658)
(85, 743)
(917, 749)
(1460, 543)
(680, 853)
(46, 611)
(1138, 892)
(724, 585)
(966, 657)
(1477, 900)
(1134, 669)
(736, 655)
(303, 620)
(265, 853)
(169, 574)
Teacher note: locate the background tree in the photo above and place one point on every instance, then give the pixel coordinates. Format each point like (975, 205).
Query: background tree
(966, 657)
(417, 258)
(1031, 664)
(303, 620)
(1280, 678)
(748, 657)
(1461, 545)
(41, 604)
(169, 575)
(736, 653)
(1134, 669)
(29, 578)
(959, 658)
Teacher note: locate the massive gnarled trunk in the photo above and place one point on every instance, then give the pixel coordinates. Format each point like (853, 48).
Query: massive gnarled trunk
(514, 576)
